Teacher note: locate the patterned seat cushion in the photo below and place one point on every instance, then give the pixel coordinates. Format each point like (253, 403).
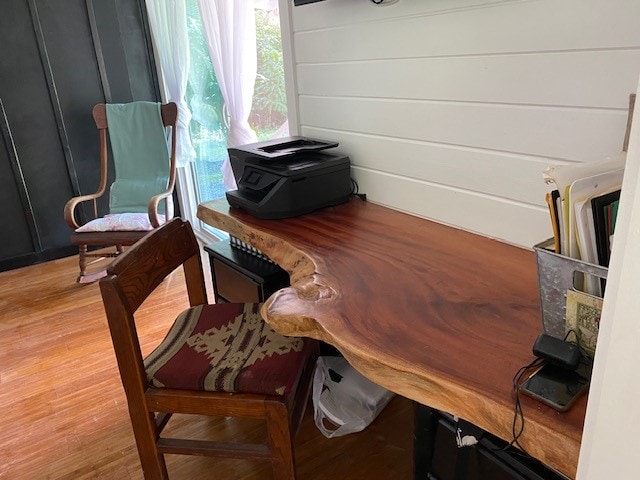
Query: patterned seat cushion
(120, 222)
(226, 348)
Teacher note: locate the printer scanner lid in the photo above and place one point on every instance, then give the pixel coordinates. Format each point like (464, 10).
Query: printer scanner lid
(285, 157)
(278, 148)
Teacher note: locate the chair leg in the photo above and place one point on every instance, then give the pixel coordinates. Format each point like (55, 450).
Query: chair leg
(144, 430)
(280, 441)
(82, 260)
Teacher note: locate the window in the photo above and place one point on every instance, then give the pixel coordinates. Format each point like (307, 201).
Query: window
(202, 180)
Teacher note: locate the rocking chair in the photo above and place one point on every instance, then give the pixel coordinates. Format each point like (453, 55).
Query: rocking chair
(145, 176)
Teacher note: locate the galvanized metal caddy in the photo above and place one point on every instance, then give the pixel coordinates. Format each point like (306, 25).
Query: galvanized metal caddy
(556, 275)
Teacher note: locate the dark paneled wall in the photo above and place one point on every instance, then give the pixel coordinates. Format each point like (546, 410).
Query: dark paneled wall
(58, 60)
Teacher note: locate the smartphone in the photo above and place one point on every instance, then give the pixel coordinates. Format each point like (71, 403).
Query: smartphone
(556, 386)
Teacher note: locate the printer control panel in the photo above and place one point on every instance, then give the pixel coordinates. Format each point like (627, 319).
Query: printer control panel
(255, 179)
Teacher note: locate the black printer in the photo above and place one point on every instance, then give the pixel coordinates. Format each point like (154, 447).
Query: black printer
(290, 176)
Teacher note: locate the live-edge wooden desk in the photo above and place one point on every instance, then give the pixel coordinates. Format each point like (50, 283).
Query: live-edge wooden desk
(433, 313)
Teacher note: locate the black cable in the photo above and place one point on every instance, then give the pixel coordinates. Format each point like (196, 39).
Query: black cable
(517, 426)
(585, 354)
(354, 191)
(516, 431)
(377, 2)
(569, 333)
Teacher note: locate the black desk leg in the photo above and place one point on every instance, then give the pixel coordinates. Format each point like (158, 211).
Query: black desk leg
(424, 437)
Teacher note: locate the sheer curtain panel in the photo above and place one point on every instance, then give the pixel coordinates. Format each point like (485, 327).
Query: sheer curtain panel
(168, 21)
(230, 30)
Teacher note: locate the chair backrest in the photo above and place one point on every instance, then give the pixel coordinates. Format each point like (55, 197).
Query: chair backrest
(144, 166)
(135, 274)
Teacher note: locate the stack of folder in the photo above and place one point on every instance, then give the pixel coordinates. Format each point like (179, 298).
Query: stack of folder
(583, 209)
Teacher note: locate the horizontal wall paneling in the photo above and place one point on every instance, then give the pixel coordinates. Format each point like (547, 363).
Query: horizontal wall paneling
(515, 223)
(452, 109)
(510, 176)
(557, 133)
(547, 79)
(502, 28)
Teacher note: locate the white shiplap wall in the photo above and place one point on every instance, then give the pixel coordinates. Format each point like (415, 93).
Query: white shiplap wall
(451, 109)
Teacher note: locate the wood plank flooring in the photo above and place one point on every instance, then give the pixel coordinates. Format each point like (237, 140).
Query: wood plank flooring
(64, 414)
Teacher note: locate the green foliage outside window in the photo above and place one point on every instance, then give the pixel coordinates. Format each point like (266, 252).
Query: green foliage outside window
(269, 101)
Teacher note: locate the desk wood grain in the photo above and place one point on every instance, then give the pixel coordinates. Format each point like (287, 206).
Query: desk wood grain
(436, 314)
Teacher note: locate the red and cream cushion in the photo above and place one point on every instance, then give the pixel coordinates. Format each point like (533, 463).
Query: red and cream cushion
(226, 347)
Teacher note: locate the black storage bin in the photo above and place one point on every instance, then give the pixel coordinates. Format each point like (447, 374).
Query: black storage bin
(437, 456)
(240, 276)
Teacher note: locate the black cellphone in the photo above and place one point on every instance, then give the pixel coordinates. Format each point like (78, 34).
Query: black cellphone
(556, 386)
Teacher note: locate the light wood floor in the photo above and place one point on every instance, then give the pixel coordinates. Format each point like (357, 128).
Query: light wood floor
(63, 410)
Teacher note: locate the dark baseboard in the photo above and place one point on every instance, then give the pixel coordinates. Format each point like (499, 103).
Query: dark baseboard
(37, 257)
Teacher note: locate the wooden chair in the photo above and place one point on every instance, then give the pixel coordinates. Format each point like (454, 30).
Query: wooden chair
(148, 175)
(220, 359)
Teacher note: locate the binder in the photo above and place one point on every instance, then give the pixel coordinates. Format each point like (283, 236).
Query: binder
(604, 225)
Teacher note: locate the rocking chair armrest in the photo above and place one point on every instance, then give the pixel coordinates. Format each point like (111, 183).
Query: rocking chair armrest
(70, 207)
(152, 209)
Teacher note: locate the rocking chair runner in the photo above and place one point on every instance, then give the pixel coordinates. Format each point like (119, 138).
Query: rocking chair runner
(220, 359)
(145, 175)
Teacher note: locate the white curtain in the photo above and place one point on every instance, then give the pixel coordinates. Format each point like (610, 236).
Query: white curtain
(230, 30)
(266, 4)
(168, 21)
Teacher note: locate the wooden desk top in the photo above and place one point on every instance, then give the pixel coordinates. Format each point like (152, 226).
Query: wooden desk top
(436, 314)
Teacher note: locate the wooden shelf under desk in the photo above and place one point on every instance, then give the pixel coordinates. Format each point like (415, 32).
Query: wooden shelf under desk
(436, 314)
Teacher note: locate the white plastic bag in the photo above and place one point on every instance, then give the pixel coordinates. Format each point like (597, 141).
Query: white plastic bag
(343, 400)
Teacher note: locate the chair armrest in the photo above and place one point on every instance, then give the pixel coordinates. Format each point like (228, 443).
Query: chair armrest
(152, 208)
(70, 207)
